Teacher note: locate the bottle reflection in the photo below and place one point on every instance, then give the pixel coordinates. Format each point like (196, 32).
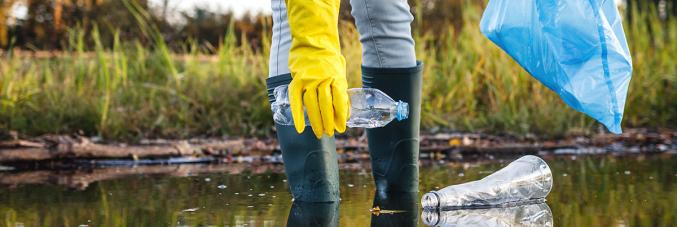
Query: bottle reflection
(313, 214)
(526, 215)
(395, 209)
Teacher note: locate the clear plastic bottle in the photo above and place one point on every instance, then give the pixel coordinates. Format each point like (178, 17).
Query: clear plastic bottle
(527, 215)
(526, 179)
(369, 108)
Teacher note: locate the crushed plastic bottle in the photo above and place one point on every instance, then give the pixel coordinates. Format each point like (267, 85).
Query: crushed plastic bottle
(525, 180)
(528, 215)
(370, 108)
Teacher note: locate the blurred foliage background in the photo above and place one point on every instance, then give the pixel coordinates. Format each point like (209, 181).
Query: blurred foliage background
(46, 22)
(126, 70)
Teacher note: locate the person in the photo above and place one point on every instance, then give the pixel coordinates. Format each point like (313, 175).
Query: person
(306, 55)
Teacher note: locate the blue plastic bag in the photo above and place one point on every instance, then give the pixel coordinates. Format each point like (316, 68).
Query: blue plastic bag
(577, 48)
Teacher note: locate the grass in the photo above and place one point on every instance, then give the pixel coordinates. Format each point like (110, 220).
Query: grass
(131, 91)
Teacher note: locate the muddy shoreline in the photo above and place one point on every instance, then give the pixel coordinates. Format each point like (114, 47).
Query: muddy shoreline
(55, 150)
(76, 162)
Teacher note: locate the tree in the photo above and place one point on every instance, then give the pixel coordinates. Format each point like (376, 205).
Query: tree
(5, 7)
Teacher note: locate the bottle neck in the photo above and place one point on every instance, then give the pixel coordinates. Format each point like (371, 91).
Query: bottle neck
(402, 109)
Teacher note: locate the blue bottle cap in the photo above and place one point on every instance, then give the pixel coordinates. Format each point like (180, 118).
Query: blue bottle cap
(402, 110)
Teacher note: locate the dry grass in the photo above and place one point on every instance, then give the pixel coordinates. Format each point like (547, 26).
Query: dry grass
(133, 91)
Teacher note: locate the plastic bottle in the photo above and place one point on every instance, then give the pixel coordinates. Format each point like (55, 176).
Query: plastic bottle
(370, 108)
(527, 215)
(525, 180)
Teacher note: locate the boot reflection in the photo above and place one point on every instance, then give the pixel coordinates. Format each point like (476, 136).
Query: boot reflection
(313, 214)
(395, 209)
(525, 215)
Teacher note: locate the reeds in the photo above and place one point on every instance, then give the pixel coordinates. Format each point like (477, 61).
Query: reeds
(131, 90)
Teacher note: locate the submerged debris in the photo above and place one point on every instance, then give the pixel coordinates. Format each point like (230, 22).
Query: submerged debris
(376, 211)
(191, 209)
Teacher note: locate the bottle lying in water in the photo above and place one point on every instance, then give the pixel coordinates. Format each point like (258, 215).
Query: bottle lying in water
(525, 180)
(369, 108)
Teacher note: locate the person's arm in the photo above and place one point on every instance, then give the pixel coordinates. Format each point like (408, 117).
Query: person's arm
(317, 66)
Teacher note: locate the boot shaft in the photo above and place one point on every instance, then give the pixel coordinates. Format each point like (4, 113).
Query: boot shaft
(394, 148)
(311, 164)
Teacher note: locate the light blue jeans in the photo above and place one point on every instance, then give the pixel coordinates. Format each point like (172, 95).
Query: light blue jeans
(385, 34)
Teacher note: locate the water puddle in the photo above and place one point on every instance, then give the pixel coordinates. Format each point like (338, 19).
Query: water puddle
(606, 190)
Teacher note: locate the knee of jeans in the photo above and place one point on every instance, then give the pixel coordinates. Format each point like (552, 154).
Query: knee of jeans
(385, 32)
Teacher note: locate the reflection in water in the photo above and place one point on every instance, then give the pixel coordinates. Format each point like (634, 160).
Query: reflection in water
(525, 215)
(635, 190)
(313, 214)
(395, 209)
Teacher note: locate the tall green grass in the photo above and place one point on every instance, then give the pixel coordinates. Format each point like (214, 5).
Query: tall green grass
(131, 90)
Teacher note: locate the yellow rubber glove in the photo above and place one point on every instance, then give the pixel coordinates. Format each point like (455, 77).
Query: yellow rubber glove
(318, 69)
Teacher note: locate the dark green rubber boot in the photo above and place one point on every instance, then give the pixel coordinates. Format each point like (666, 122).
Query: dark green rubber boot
(313, 214)
(311, 164)
(394, 148)
(396, 209)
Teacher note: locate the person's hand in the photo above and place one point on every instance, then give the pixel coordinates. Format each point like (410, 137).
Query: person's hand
(317, 67)
(326, 100)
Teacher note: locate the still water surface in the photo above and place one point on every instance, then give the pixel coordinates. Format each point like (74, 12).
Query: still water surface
(588, 191)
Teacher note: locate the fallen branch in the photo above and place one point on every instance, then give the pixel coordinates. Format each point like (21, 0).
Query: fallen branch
(80, 179)
(53, 147)
(65, 147)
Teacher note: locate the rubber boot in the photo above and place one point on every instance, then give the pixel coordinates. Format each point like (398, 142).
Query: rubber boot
(313, 214)
(311, 164)
(396, 209)
(394, 148)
